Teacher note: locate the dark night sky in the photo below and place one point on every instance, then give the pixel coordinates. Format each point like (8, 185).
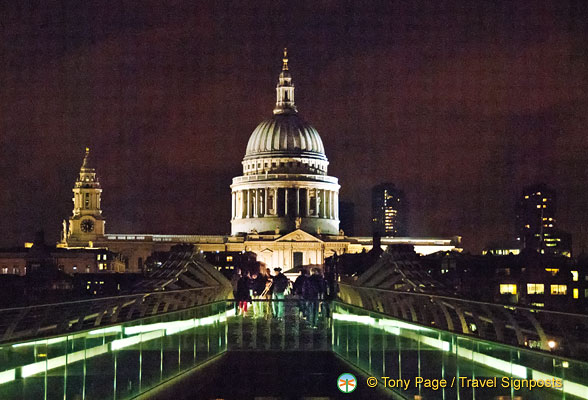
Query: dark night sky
(461, 103)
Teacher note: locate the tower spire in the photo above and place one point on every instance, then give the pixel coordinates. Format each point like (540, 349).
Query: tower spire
(285, 60)
(85, 163)
(285, 89)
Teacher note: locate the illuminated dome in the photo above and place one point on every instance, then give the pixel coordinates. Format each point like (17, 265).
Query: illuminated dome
(285, 135)
(285, 185)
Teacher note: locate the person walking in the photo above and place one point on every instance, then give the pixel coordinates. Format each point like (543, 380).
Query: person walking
(313, 290)
(279, 286)
(267, 294)
(297, 288)
(243, 294)
(258, 282)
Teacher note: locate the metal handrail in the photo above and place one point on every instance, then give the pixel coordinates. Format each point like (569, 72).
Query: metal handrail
(516, 306)
(103, 298)
(553, 331)
(21, 323)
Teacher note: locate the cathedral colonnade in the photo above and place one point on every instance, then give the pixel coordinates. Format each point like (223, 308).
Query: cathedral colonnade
(294, 201)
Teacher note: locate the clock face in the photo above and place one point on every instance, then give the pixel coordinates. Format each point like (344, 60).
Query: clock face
(87, 225)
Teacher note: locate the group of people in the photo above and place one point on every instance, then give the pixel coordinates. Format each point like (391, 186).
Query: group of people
(312, 292)
(257, 288)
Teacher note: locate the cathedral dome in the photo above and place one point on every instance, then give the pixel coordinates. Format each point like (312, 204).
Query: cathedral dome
(285, 135)
(284, 185)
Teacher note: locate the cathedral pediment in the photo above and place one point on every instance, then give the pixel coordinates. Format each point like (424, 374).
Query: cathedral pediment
(299, 236)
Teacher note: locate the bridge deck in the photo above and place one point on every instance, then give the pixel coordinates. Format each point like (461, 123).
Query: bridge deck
(261, 354)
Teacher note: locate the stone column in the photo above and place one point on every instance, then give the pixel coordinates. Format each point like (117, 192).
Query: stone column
(285, 201)
(317, 202)
(248, 203)
(266, 207)
(243, 208)
(255, 202)
(297, 202)
(307, 202)
(332, 197)
(336, 205)
(324, 208)
(232, 205)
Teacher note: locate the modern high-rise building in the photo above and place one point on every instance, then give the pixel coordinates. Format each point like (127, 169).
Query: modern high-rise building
(536, 224)
(389, 210)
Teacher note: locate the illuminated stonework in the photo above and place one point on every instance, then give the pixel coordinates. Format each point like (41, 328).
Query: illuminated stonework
(285, 185)
(86, 223)
(285, 208)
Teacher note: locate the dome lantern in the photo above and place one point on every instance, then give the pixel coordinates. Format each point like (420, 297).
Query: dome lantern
(285, 90)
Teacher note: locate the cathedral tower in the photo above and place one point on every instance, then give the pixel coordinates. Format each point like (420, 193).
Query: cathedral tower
(86, 223)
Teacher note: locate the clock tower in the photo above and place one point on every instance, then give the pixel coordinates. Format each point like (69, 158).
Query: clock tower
(86, 223)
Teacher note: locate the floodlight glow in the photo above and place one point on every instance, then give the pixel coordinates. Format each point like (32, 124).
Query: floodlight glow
(7, 376)
(110, 329)
(230, 313)
(569, 387)
(47, 342)
(174, 326)
(133, 340)
(56, 362)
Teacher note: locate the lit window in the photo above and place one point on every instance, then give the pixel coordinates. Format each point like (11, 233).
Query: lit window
(553, 271)
(538, 206)
(535, 288)
(559, 289)
(229, 258)
(575, 293)
(575, 276)
(507, 288)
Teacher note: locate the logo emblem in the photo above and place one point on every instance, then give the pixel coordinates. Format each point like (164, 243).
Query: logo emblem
(346, 382)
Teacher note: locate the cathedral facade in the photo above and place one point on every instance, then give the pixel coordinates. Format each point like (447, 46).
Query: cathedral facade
(285, 208)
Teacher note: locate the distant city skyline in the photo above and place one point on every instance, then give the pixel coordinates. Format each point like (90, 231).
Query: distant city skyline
(461, 112)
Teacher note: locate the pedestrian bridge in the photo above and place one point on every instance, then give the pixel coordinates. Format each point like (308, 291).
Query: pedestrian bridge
(191, 344)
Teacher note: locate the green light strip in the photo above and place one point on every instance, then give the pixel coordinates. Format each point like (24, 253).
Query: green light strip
(517, 370)
(142, 333)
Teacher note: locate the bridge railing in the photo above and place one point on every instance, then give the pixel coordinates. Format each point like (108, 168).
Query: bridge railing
(554, 332)
(391, 350)
(113, 362)
(60, 318)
